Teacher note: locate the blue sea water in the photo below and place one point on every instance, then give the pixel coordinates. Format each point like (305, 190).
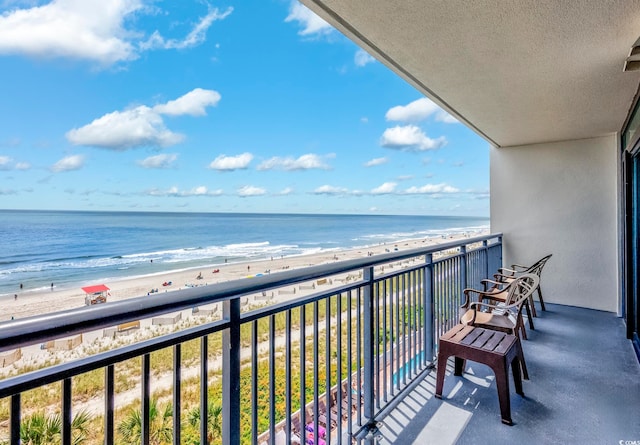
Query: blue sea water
(72, 249)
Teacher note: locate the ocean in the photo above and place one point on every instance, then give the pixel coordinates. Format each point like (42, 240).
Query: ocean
(73, 249)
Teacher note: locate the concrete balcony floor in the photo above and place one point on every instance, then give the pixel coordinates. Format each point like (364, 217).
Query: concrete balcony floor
(584, 388)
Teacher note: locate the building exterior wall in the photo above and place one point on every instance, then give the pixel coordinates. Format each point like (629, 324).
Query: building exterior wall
(561, 198)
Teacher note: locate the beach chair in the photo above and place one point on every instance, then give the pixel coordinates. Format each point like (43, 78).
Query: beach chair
(506, 275)
(505, 312)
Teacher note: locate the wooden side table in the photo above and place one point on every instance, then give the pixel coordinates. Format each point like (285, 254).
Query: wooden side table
(495, 349)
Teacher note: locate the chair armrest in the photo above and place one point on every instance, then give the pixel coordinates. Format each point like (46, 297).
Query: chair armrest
(496, 283)
(519, 266)
(506, 271)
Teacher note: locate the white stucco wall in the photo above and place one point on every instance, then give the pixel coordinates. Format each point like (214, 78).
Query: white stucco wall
(561, 198)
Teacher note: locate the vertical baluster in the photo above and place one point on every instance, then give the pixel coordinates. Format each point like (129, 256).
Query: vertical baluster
(375, 327)
(358, 358)
(204, 387)
(347, 396)
(66, 411)
(288, 405)
(254, 382)
(385, 343)
(428, 302)
(177, 380)
(369, 316)
(388, 291)
(272, 378)
(303, 370)
(109, 404)
(327, 361)
(15, 419)
(396, 291)
(339, 331)
(316, 365)
(146, 398)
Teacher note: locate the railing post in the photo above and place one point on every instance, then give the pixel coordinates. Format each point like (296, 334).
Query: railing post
(231, 373)
(485, 250)
(463, 267)
(428, 308)
(368, 344)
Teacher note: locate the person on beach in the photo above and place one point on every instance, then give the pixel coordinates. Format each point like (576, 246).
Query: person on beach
(51, 286)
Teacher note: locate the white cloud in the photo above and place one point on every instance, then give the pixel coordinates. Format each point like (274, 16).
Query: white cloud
(5, 163)
(376, 161)
(249, 190)
(311, 24)
(69, 163)
(431, 189)
(177, 193)
(71, 28)
(230, 163)
(286, 191)
(121, 130)
(194, 103)
(304, 162)
(89, 30)
(158, 161)
(330, 190)
(386, 188)
(404, 177)
(413, 112)
(142, 126)
(362, 58)
(410, 138)
(194, 38)
(364, 120)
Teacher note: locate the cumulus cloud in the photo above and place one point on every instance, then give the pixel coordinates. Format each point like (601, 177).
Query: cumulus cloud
(386, 188)
(413, 112)
(177, 193)
(330, 190)
(362, 58)
(304, 162)
(122, 130)
(410, 138)
(430, 189)
(69, 163)
(194, 103)
(158, 161)
(94, 31)
(231, 163)
(310, 23)
(23, 166)
(419, 110)
(376, 161)
(249, 190)
(197, 35)
(142, 126)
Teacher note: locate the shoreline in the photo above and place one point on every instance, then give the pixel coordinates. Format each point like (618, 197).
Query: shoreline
(37, 302)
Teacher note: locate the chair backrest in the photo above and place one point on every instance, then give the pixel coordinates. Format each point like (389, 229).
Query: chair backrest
(521, 288)
(536, 268)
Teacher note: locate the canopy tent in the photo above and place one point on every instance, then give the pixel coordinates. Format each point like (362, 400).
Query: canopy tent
(95, 289)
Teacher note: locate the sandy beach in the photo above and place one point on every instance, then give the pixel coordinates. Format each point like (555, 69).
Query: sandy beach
(36, 303)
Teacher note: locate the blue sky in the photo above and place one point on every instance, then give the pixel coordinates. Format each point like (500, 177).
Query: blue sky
(255, 106)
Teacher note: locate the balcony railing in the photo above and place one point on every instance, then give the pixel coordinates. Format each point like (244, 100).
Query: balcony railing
(332, 361)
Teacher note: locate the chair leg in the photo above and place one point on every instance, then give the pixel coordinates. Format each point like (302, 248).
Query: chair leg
(527, 306)
(533, 306)
(520, 327)
(541, 300)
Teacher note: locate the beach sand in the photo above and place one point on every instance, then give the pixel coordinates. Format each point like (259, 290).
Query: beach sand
(36, 303)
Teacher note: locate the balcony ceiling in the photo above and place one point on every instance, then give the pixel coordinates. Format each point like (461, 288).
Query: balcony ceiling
(516, 71)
